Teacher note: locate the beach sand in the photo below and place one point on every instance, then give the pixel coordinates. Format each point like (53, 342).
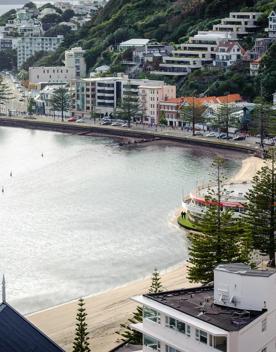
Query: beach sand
(106, 311)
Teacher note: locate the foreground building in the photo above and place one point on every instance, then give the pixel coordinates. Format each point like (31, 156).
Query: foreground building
(237, 314)
(17, 334)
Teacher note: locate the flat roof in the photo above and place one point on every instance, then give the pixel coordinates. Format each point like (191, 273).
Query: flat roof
(199, 303)
(243, 269)
(134, 42)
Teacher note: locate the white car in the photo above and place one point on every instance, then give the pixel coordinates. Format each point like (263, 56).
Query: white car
(80, 121)
(211, 134)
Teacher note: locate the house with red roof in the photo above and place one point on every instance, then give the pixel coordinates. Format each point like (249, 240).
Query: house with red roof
(172, 107)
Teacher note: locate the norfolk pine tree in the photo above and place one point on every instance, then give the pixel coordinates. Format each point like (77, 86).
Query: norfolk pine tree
(222, 238)
(81, 341)
(133, 336)
(156, 285)
(192, 114)
(129, 107)
(5, 93)
(60, 101)
(260, 213)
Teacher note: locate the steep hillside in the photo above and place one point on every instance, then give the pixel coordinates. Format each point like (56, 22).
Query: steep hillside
(163, 20)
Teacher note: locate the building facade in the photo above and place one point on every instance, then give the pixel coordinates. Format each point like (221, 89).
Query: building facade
(228, 53)
(237, 314)
(104, 95)
(271, 30)
(28, 46)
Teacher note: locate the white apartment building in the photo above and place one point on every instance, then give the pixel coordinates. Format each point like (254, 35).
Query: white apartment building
(228, 53)
(104, 95)
(8, 43)
(271, 25)
(50, 75)
(237, 314)
(74, 59)
(75, 68)
(239, 23)
(28, 46)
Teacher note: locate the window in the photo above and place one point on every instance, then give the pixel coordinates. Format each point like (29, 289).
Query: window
(152, 343)
(151, 314)
(264, 325)
(201, 336)
(264, 349)
(178, 326)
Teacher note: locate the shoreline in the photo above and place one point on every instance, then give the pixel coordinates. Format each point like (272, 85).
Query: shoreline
(85, 129)
(106, 311)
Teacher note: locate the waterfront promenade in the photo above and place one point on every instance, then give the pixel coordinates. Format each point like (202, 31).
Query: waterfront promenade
(166, 134)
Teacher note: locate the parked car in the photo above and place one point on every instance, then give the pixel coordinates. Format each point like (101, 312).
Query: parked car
(222, 136)
(125, 125)
(198, 133)
(80, 120)
(106, 122)
(211, 134)
(72, 119)
(239, 138)
(116, 124)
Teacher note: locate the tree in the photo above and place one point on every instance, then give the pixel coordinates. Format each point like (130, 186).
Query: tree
(129, 108)
(8, 59)
(50, 20)
(222, 237)
(67, 15)
(31, 106)
(263, 120)
(81, 340)
(192, 113)
(163, 121)
(260, 214)
(134, 336)
(224, 118)
(156, 285)
(60, 101)
(5, 93)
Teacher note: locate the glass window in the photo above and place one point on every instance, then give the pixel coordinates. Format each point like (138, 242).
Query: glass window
(152, 343)
(201, 336)
(264, 325)
(152, 315)
(170, 349)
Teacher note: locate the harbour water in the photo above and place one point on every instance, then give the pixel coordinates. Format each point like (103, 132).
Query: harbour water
(80, 215)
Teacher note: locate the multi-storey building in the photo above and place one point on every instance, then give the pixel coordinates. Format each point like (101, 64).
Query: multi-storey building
(8, 43)
(239, 23)
(75, 68)
(271, 25)
(237, 314)
(201, 48)
(104, 95)
(28, 46)
(75, 60)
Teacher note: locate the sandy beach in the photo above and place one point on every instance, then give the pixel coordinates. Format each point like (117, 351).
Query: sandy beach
(106, 311)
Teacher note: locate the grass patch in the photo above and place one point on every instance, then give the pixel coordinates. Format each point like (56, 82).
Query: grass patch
(184, 222)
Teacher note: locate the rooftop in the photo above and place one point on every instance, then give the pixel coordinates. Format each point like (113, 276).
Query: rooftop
(231, 98)
(135, 42)
(199, 303)
(243, 269)
(19, 335)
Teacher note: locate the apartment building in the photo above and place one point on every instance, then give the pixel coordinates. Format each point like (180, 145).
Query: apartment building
(199, 51)
(74, 68)
(237, 314)
(8, 43)
(239, 23)
(201, 48)
(104, 95)
(271, 30)
(28, 46)
(228, 53)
